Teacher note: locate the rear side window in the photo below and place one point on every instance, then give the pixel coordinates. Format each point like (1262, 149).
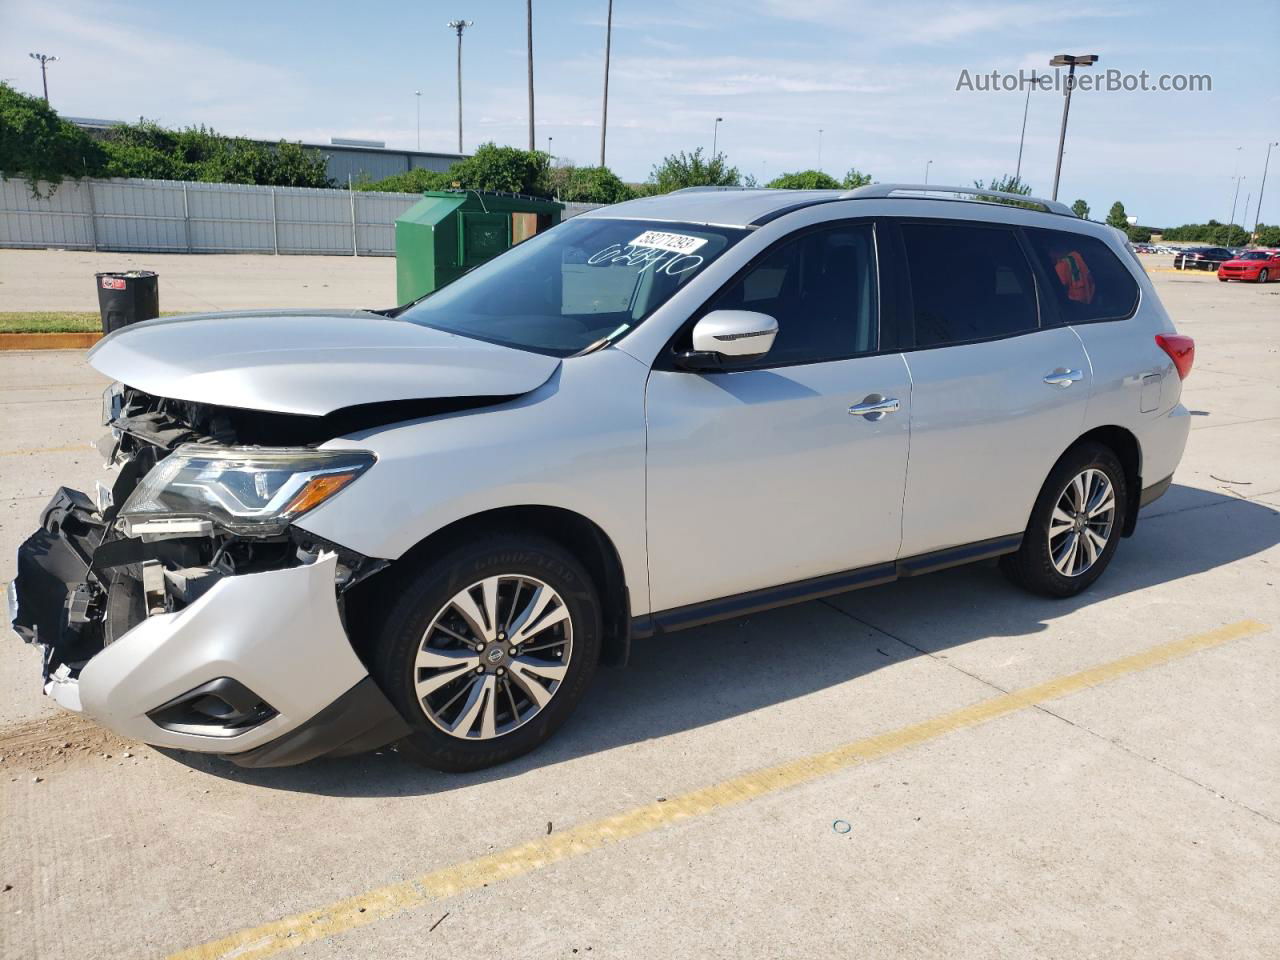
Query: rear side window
(1086, 280)
(821, 288)
(968, 282)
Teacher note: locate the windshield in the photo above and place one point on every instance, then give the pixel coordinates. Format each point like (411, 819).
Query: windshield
(582, 282)
(1260, 255)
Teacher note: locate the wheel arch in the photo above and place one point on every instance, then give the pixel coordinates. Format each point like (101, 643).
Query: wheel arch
(578, 534)
(1127, 448)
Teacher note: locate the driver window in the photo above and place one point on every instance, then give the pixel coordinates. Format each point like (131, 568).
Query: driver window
(821, 288)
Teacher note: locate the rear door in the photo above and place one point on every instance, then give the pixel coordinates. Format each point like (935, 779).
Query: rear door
(996, 395)
(761, 476)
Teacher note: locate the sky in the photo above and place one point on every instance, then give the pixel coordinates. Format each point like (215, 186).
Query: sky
(879, 79)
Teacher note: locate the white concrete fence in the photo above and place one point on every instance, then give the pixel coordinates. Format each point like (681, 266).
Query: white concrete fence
(174, 216)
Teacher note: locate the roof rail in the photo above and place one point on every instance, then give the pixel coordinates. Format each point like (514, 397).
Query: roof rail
(881, 191)
(707, 189)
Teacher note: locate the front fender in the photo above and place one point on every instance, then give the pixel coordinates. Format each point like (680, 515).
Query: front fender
(577, 443)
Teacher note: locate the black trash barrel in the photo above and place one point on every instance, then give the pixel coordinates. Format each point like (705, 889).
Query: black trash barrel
(125, 298)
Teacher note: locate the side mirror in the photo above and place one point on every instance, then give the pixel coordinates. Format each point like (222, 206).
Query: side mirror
(724, 336)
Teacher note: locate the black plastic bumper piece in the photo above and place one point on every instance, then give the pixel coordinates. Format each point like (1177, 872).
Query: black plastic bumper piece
(359, 720)
(55, 605)
(1154, 492)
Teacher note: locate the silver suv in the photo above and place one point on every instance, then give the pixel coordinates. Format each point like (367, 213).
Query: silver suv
(333, 530)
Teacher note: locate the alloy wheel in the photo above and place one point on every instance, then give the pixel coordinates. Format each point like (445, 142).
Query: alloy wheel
(1081, 523)
(493, 657)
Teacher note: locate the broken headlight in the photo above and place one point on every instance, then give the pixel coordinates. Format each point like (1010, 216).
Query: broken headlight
(246, 490)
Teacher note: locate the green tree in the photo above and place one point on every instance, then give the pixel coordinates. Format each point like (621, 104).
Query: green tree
(1138, 234)
(1117, 217)
(412, 181)
(39, 145)
(855, 178)
(501, 169)
(146, 149)
(680, 170)
(1080, 209)
(1005, 184)
(595, 185)
(1218, 234)
(505, 169)
(804, 180)
(1268, 236)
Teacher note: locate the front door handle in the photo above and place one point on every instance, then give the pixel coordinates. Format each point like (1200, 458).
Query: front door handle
(874, 407)
(1062, 377)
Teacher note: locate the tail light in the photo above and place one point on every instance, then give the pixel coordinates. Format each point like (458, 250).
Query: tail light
(1181, 350)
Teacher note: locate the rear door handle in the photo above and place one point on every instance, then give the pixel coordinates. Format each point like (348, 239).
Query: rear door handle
(1062, 377)
(874, 407)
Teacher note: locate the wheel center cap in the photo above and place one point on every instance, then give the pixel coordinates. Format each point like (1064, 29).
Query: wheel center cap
(494, 655)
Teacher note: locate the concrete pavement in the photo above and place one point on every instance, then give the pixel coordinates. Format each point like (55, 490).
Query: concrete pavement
(191, 283)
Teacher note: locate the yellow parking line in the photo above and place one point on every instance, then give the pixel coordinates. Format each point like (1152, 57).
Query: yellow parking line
(361, 910)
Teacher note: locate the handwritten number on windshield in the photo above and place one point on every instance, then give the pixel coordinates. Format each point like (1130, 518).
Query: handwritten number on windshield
(661, 261)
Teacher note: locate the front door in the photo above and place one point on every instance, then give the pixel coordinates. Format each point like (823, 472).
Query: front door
(761, 477)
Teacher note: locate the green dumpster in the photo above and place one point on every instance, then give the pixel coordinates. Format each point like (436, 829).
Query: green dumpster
(448, 232)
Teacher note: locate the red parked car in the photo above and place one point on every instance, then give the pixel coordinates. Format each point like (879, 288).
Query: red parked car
(1257, 265)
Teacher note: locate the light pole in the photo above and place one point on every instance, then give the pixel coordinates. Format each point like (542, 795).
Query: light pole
(1235, 176)
(604, 110)
(1235, 197)
(528, 18)
(1257, 214)
(926, 172)
(417, 97)
(715, 130)
(1070, 61)
(458, 26)
(550, 156)
(1035, 82)
(44, 60)
(819, 148)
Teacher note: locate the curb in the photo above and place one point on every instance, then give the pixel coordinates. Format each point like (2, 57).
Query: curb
(48, 341)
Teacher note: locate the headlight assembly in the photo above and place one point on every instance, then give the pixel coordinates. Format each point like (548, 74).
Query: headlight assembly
(245, 490)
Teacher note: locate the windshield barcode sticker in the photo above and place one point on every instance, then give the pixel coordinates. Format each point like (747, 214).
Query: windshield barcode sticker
(674, 242)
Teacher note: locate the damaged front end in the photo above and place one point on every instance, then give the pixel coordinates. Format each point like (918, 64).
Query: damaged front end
(182, 607)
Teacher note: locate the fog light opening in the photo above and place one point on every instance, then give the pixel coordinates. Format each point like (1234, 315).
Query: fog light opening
(219, 708)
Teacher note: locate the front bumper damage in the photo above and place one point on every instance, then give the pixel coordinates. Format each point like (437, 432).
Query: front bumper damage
(256, 666)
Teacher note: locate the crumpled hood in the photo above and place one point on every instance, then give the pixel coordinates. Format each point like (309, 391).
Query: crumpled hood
(311, 362)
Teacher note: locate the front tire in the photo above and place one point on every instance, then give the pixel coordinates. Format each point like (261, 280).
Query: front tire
(1075, 525)
(487, 650)
(1262, 275)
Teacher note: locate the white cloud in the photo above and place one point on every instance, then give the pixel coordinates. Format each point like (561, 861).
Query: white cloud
(110, 66)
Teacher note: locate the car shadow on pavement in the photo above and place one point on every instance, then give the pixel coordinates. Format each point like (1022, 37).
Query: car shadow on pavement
(687, 680)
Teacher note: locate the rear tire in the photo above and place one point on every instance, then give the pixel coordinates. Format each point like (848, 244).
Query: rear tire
(1075, 524)
(499, 705)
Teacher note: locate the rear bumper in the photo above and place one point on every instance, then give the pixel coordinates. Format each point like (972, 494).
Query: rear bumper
(258, 667)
